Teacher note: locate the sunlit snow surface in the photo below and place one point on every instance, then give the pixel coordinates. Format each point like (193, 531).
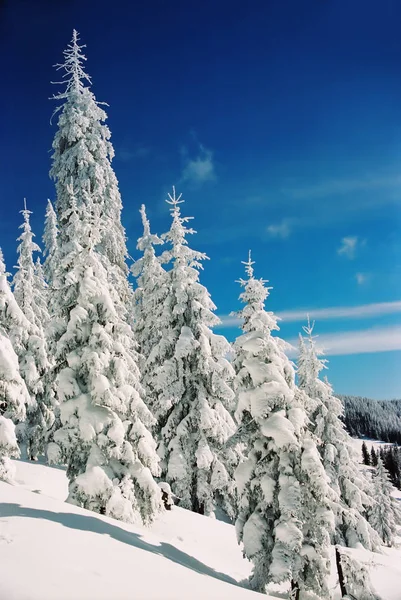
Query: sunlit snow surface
(50, 550)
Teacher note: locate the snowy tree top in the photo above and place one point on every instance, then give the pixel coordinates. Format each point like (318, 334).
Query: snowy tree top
(148, 240)
(177, 237)
(254, 295)
(249, 265)
(74, 74)
(27, 235)
(309, 360)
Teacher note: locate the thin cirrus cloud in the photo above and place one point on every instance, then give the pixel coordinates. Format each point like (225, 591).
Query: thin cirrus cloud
(335, 187)
(323, 314)
(381, 339)
(128, 155)
(280, 230)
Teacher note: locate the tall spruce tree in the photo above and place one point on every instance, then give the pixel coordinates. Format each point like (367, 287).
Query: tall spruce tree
(351, 490)
(32, 351)
(192, 393)
(149, 299)
(104, 436)
(384, 514)
(14, 396)
(365, 454)
(82, 158)
(373, 457)
(285, 516)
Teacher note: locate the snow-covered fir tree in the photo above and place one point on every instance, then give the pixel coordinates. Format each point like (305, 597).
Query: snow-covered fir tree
(191, 383)
(53, 319)
(351, 496)
(14, 396)
(82, 158)
(50, 243)
(104, 439)
(384, 514)
(149, 299)
(285, 518)
(104, 436)
(32, 346)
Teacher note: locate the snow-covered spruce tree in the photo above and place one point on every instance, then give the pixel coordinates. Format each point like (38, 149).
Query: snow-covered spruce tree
(284, 519)
(149, 299)
(384, 513)
(32, 351)
(352, 495)
(14, 396)
(50, 243)
(365, 454)
(54, 321)
(191, 383)
(82, 158)
(41, 291)
(104, 438)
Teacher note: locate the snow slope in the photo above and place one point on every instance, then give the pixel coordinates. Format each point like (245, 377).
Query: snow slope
(51, 550)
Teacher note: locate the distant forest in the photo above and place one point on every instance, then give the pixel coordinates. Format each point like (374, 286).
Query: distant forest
(376, 419)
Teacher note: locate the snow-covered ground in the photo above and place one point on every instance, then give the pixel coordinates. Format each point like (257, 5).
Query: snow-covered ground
(51, 550)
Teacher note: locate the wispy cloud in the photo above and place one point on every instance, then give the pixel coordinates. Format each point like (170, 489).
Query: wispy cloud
(139, 151)
(198, 169)
(280, 230)
(335, 187)
(380, 339)
(348, 246)
(323, 314)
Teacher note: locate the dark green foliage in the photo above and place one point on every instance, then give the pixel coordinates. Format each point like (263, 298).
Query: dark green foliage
(365, 454)
(391, 457)
(373, 457)
(377, 419)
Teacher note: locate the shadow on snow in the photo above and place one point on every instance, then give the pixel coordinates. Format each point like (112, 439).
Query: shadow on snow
(88, 523)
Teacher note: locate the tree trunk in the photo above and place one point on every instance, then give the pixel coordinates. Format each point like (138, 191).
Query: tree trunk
(294, 590)
(340, 573)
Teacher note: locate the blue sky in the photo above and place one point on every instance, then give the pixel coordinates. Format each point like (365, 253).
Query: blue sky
(279, 120)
